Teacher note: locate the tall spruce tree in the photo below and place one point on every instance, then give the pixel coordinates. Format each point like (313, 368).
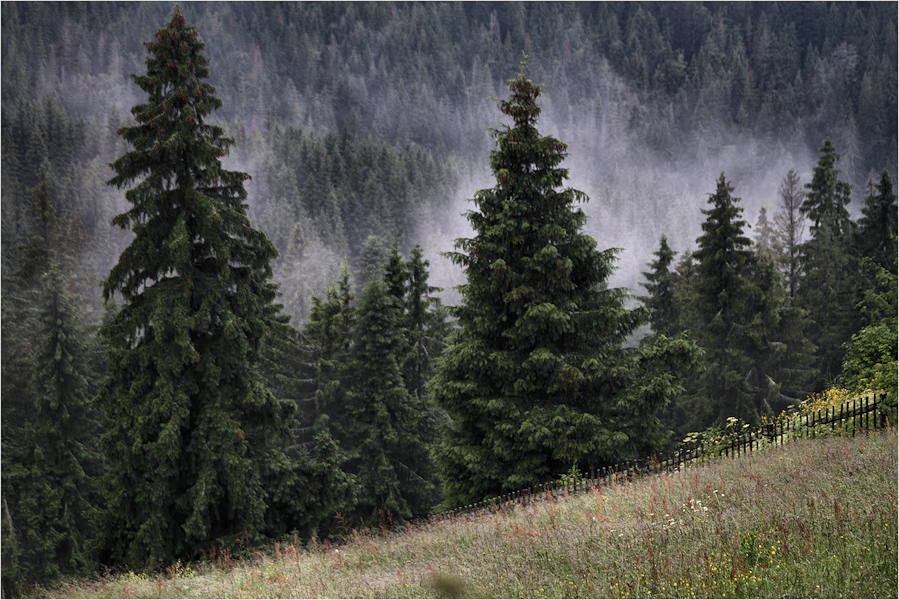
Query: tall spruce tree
(537, 378)
(724, 261)
(191, 425)
(755, 352)
(829, 282)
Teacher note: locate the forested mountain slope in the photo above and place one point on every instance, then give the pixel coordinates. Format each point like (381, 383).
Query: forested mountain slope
(275, 356)
(654, 99)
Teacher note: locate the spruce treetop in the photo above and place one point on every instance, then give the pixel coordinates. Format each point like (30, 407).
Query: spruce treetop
(826, 196)
(724, 251)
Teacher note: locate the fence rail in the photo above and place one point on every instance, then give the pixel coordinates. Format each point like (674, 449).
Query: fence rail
(861, 414)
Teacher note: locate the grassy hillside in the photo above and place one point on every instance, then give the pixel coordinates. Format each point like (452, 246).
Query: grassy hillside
(814, 518)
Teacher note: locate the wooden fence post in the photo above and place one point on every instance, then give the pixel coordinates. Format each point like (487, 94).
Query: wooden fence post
(867, 418)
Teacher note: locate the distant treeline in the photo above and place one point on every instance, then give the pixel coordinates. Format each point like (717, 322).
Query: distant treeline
(632, 87)
(425, 72)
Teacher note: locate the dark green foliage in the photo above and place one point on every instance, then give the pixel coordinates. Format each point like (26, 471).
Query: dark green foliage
(191, 425)
(421, 315)
(756, 358)
(779, 333)
(664, 316)
(537, 378)
(827, 195)
(328, 337)
(877, 227)
(363, 360)
(333, 104)
(829, 264)
(50, 461)
(724, 261)
(304, 479)
(426, 327)
(871, 355)
(388, 428)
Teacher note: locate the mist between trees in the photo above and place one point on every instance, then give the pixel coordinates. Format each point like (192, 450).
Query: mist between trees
(740, 157)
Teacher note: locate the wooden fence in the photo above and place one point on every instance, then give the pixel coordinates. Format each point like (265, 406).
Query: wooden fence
(857, 415)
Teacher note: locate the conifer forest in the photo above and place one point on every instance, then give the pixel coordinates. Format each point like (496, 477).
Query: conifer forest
(282, 269)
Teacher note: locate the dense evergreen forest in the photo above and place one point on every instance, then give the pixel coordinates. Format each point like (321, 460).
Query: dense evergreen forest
(324, 332)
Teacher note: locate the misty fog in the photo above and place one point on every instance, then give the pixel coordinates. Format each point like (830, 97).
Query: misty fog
(648, 129)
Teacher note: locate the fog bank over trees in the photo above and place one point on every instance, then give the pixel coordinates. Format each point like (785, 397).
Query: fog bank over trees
(654, 99)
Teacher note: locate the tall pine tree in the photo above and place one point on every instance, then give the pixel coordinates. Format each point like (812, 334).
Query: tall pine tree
(828, 286)
(191, 424)
(537, 377)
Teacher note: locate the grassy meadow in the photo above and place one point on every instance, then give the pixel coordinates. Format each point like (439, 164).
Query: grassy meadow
(815, 518)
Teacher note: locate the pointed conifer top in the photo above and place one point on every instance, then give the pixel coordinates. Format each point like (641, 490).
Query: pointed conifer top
(178, 21)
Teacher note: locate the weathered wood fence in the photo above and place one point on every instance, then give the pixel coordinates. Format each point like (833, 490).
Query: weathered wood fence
(858, 415)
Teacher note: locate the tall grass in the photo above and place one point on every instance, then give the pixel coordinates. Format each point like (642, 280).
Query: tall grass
(813, 518)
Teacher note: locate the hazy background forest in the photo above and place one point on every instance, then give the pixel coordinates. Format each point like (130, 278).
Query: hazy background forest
(360, 119)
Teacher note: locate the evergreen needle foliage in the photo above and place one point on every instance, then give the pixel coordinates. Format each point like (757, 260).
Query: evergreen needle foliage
(49, 461)
(537, 377)
(830, 264)
(191, 424)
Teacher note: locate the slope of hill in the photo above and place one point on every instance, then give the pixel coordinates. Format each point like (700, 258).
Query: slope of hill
(813, 518)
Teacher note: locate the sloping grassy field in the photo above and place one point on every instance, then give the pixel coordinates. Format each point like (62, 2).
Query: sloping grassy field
(813, 518)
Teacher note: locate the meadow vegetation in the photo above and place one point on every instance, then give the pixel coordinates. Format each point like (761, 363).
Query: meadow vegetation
(813, 518)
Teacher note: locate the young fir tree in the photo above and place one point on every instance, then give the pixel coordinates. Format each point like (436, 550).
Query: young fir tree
(191, 424)
(827, 196)
(829, 282)
(659, 285)
(306, 484)
(423, 319)
(328, 374)
(328, 340)
(426, 325)
(50, 461)
(537, 378)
